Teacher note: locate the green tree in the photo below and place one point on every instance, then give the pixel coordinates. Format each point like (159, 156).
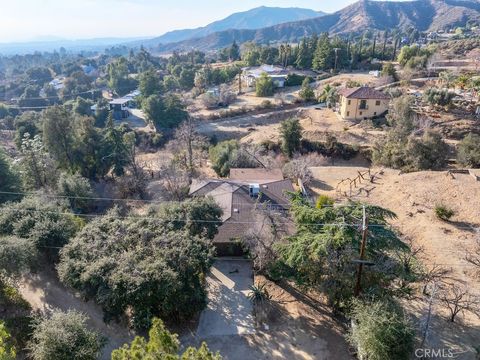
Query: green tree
(64, 335)
(7, 351)
(169, 267)
(9, 180)
(16, 257)
(306, 92)
(388, 69)
(264, 86)
(38, 169)
(113, 150)
(77, 190)
(164, 112)
(229, 154)
(59, 135)
(149, 83)
(321, 252)
(304, 55)
(161, 344)
(118, 79)
(469, 151)
(291, 135)
(323, 58)
(234, 52)
(47, 225)
(381, 331)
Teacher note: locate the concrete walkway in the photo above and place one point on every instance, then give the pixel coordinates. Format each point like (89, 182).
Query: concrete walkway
(229, 311)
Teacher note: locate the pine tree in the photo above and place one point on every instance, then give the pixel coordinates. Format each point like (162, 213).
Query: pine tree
(324, 58)
(304, 56)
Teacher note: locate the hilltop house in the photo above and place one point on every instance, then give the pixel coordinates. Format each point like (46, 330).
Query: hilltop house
(362, 103)
(245, 191)
(276, 73)
(121, 107)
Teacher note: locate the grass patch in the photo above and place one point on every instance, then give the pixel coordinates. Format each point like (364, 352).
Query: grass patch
(443, 212)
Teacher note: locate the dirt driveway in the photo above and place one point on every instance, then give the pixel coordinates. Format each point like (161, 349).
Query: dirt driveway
(229, 311)
(297, 327)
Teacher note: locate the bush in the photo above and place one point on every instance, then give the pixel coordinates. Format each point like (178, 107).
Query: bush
(65, 336)
(324, 201)
(307, 93)
(410, 153)
(229, 154)
(77, 190)
(469, 151)
(381, 331)
(264, 86)
(438, 97)
(443, 212)
(294, 80)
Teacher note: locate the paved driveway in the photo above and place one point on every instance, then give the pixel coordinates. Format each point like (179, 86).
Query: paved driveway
(229, 311)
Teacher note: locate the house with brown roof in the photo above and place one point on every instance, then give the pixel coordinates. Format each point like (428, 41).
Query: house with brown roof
(242, 198)
(361, 103)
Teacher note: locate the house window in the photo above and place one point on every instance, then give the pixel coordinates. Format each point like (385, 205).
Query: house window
(363, 104)
(349, 102)
(348, 113)
(377, 103)
(361, 113)
(375, 113)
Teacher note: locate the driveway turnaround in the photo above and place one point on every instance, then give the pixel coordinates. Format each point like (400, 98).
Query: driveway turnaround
(229, 310)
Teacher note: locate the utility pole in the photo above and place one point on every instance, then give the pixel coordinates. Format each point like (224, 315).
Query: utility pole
(362, 252)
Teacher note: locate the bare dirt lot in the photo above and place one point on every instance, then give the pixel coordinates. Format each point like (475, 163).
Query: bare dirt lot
(413, 198)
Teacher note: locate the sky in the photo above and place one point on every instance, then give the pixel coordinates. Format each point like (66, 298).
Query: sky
(26, 20)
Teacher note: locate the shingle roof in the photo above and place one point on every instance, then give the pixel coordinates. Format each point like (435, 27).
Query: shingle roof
(363, 92)
(233, 196)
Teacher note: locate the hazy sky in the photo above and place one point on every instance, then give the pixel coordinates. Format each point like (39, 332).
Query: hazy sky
(76, 19)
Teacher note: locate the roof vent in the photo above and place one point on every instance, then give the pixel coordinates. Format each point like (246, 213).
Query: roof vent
(254, 190)
(235, 211)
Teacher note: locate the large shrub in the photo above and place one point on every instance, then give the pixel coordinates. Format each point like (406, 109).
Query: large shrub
(469, 151)
(65, 336)
(264, 86)
(148, 266)
(411, 153)
(381, 331)
(9, 181)
(77, 190)
(229, 154)
(46, 224)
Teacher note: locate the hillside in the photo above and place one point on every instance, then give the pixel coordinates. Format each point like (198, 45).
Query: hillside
(425, 15)
(252, 19)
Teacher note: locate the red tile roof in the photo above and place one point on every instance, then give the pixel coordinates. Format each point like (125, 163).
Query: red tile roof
(363, 92)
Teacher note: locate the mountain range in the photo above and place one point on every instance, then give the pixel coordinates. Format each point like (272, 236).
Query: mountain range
(424, 15)
(253, 19)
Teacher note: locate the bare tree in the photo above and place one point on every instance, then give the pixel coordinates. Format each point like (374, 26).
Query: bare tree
(188, 146)
(473, 257)
(458, 299)
(299, 167)
(265, 233)
(175, 182)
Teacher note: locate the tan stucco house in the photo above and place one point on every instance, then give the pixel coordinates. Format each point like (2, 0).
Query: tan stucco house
(362, 103)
